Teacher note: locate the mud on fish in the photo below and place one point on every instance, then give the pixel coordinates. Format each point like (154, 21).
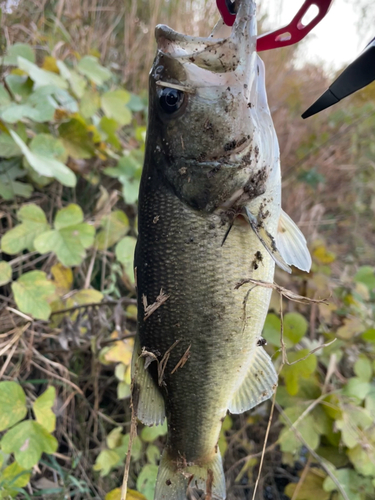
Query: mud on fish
(209, 216)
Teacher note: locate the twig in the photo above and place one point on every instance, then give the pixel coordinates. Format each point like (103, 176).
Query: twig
(19, 313)
(125, 300)
(133, 433)
(90, 269)
(283, 291)
(149, 309)
(302, 479)
(182, 361)
(264, 444)
(54, 375)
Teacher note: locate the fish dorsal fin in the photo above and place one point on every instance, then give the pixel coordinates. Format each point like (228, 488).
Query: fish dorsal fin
(149, 405)
(291, 243)
(258, 385)
(267, 240)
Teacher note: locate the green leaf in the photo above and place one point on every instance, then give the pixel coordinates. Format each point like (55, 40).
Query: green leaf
(28, 440)
(20, 86)
(113, 227)
(146, 481)
(21, 237)
(40, 76)
(70, 237)
(49, 146)
(295, 327)
(152, 454)
(149, 434)
(363, 368)
(114, 106)
(90, 103)
(351, 483)
(354, 420)
(42, 407)
(272, 329)
(109, 127)
(123, 390)
(18, 49)
(77, 82)
(4, 97)
(114, 438)
(292, 373)
(289, 442)
(105, 461)
(366, 275)
(125, 254)
(31, 292)
(46, 166)
(357, 388)
(9, 171)
(5, 272)
(363, 459)
(89, 66)
(369, 335)
(8, 147)
(12, 404)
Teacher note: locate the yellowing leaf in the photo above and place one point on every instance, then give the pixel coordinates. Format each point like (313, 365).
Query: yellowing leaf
(130, 495)
(28, 440)
(70, 237)
(14, 476)
(40, 76)
(21, 237)
(12, 404)
(121, 351)
(351, 327)
(31, 292)
(49, 64)
(89, 296)
(113, 227)
(312, 487)
(5, 273)
(323, 255)
(63, 278)
(43, 409)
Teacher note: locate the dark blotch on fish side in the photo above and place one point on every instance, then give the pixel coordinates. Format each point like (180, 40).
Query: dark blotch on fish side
(261, 342)
(230, 145)
(256, 185)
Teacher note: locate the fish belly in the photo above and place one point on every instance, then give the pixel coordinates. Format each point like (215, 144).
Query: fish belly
(181, 253)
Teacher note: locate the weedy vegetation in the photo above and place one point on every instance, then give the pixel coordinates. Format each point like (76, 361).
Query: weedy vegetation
(73, 111)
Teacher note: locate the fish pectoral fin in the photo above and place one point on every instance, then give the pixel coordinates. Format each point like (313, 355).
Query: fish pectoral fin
(174, 484)
(292, 244)
(258, 385)
(147, 399)
(267, 240)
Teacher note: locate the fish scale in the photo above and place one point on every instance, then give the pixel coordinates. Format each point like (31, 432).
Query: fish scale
(182, 254)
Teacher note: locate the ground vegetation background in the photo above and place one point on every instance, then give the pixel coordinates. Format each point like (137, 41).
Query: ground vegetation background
(73, 114)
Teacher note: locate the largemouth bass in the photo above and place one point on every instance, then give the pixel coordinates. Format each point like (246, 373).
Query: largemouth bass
(209, 216)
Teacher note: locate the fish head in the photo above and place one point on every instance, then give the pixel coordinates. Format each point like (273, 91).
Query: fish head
(210, 131)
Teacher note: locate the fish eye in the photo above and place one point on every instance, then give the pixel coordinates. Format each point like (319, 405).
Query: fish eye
(171, 100)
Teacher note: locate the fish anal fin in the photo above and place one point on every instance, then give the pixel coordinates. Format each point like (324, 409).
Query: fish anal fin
(258, 385)
(173, 482)
(148, 401)
(291, 244)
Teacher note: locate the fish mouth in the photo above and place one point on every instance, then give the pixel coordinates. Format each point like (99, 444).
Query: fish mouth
(224, 50)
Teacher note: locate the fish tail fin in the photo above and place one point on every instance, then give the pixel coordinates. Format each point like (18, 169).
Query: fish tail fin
(189, 482)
